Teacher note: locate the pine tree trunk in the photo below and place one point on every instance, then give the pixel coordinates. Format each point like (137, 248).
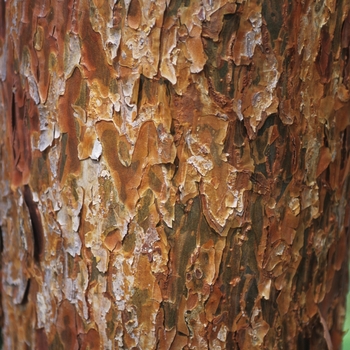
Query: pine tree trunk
(174, 174)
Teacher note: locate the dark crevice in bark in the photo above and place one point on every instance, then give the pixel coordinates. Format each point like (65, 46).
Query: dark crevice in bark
(303, 343)
(269, 307)
(26, 293)
(13, 113)
(63, 155)
(1, 242)
(38, 233)
(139, 93)
(251, 296)
(273, 17)
(13, 123)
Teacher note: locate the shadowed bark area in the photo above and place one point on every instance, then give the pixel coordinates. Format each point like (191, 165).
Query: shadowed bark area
(174, 174)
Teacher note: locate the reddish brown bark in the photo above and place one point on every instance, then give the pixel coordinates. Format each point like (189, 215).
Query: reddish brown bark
(174, 174)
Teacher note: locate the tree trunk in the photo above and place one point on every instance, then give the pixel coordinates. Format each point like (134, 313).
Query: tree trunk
(174, 174)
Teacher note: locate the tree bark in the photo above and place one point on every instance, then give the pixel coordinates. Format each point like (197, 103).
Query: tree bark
(174, 174)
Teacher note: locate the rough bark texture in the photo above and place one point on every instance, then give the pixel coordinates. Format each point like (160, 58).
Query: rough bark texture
(174, 174)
